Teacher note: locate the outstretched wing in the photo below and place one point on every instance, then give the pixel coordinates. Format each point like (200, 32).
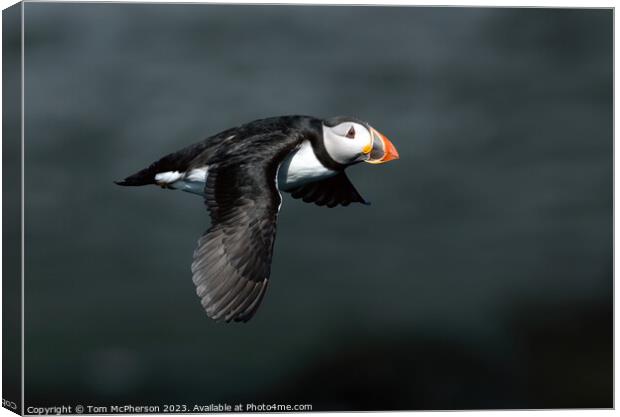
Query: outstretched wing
(232, 262)
(329, 192)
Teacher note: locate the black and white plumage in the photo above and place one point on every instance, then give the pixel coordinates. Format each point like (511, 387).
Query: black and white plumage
(240, 173)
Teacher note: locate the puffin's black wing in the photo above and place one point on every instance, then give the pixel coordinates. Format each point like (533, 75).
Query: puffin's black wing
(232, 262)
(329, 192)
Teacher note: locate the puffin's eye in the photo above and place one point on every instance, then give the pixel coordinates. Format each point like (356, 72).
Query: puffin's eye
(351, 133)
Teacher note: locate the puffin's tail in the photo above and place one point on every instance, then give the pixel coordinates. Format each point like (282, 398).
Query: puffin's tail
(144, 177)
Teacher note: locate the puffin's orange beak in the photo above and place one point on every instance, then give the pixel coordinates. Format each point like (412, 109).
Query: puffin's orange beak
(381, 150)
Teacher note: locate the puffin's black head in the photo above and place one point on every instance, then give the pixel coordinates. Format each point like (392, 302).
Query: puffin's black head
(349, 140)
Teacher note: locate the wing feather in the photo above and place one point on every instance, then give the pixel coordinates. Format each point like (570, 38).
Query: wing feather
(232, 262)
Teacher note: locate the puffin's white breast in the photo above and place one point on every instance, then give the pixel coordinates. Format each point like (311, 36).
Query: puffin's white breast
(301, 167)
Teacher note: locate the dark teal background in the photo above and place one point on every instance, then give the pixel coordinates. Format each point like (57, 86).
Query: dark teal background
(480, 277)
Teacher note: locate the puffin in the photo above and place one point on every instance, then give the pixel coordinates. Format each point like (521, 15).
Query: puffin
(240, 173)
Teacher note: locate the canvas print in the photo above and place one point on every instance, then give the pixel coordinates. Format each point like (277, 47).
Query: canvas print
(285, 208)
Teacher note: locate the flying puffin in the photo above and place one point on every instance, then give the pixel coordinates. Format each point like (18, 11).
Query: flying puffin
(240, 173)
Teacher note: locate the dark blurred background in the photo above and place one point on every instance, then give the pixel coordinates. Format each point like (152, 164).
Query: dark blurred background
(480, 277)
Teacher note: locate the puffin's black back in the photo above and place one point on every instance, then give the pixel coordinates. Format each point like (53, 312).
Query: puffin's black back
(201, 153)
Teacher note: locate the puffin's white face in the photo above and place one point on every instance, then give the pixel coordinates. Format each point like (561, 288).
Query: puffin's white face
(350, 142)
